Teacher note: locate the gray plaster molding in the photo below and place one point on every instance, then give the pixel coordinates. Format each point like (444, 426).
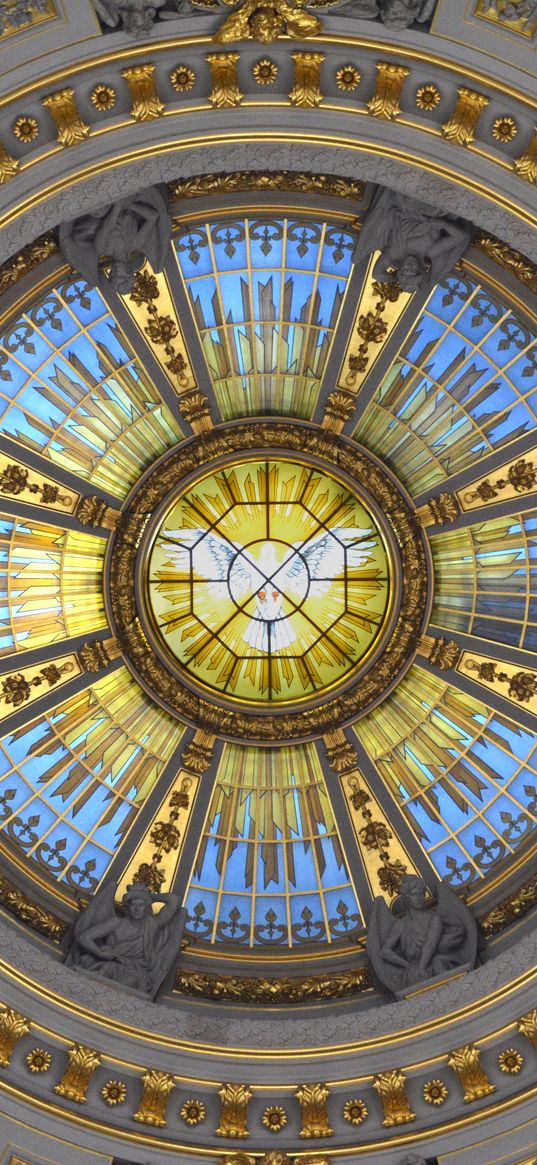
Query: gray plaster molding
(79, 1006)
(231, 150)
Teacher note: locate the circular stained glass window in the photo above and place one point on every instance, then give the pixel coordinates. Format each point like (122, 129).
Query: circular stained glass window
(268, 580)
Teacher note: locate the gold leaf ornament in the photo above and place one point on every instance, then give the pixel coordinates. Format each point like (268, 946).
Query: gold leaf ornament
(267, 22)
(510, 1061)
(265, 72)
(348, 78)
(427, 98)
(435, 1092)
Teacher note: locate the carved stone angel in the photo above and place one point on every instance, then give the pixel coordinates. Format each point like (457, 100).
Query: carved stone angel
(127, 232)
(418, 245)
(411, 942)
(136, 16)
(130, 945)
(394, 13)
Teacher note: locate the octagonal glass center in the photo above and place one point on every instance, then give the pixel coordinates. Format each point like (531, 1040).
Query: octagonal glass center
(268, 581)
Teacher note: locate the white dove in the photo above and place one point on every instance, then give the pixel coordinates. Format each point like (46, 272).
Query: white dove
(244, 572)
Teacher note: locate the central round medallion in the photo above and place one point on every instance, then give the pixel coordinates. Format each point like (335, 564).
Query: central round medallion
(268, 580)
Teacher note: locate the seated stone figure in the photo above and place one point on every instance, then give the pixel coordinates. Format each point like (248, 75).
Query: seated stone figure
(126, 232)
(131, 946)
(136, 16)
(418, 245)
(413, 942)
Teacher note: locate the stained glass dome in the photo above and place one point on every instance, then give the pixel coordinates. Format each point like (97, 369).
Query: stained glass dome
(268, 542)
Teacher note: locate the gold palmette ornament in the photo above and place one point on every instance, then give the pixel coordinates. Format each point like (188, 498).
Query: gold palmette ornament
(13, 1026)
(465, 1062)
(234, 1101)
(386, 100)
(156, 1090)
(461, 126)
(71, 129)
(81, 1064)
(391, 1087)
(312, 1099)
(145, 101)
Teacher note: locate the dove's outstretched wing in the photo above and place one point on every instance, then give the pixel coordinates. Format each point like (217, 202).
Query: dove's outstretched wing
(326, 557)
(203, 553)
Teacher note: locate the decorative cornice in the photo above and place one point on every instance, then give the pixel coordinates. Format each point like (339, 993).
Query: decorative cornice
(276, 991)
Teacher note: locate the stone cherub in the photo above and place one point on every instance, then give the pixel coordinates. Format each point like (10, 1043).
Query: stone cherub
(130, 945)
(135, 16)
(412, 942)
(127, 232)
(418, 246)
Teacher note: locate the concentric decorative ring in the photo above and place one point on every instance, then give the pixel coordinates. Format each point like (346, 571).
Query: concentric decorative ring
(268, 615)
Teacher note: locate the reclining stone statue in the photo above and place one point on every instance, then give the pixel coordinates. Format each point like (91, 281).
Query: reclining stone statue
(126, 232)
(130, 945)
(418, 245)
(413, 942)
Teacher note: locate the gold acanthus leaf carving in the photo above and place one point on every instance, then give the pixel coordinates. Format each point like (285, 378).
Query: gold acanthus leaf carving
(439, 511)
(527, 1025)
(246, 180)
(526, 165)
(97, 654)
(156, 1090)
(313, 1108)
(523, 269)
(225, 90)
(13, 1026)
(465, 1062)
(443, 653)
(34, 915)
(93, 511)
(386, 100)
(277, 991)
(391, 1087)
(9, 166)
(266, 22)
(145, 101)
(234, 1101)
(306, 91)
(71, 130)
(81, 1064)
(461, 126)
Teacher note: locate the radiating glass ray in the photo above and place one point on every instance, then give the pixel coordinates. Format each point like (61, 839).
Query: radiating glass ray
(464, 775)
(72, 781)
(266, 297)
(485, 580)
(270, 868)
(72, 389)
(51, 584)
(464, 383)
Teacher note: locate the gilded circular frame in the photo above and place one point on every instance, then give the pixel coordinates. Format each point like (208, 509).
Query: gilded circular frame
(318, 714)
